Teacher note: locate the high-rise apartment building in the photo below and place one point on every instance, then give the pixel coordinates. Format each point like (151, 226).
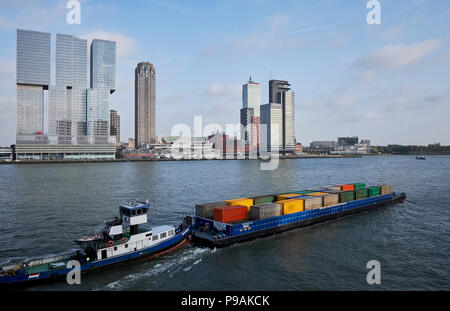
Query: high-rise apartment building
(115, 125)
(250, 113)
(145, 104)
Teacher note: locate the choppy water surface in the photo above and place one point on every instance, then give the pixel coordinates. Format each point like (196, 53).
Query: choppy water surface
(45, 207)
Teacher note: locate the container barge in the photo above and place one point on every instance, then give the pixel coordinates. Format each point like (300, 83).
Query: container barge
(122, 240)
(221, 224)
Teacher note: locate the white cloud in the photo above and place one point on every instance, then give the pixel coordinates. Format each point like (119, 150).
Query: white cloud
(398, 56)
(218, 90)
(124, 45)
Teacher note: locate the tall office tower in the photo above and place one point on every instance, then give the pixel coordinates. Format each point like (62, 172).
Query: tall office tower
(275, 89)
(114, 128)
(247, 115)
(67, 99)
(103, 83)
(256, 132)
(287, 102)
(103, 65)
(271, 135)
(33, 77)
(145, 104)
(251, 96)
(280, 93)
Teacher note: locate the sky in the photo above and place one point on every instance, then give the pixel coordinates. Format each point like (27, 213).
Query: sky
(389, 83)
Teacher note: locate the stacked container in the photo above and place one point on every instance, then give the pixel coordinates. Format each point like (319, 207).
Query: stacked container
(374, 191)
(359, 185)
(337, 188)
(347, 187)
(230, 213)
(206, 210)
(361, 193)
(302, 192)
(316, 194)
(310, 202)
(264, 199)
(286, 196)
(263, 211)
(291, 206)
(346, 196)
(243, 201)
(330, 199)
(385, 190)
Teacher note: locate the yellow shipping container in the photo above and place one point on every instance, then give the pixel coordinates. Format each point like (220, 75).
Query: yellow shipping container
(285, 196)
(291, 206)
(243, 201)
(317, 194)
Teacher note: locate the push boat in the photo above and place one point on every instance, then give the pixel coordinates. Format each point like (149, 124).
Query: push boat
(122, 240)
(208, 230)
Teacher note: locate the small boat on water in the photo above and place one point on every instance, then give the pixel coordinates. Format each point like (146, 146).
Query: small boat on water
(121, 240)
(420, 158)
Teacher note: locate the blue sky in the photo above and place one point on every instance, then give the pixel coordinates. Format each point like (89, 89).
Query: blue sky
(389, 83)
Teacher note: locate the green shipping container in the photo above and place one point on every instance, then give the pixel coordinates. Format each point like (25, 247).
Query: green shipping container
(361, 193)
(359, 185)
(346, 196)
(264, 199)
(374, 191)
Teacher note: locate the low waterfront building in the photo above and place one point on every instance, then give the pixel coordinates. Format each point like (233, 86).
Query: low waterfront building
(40, 152)
(6, 154)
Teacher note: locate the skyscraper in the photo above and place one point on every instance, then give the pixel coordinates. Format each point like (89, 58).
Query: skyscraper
(250, 113)
(78, 117)
(145, 104)
(33, 77)
(280, 93)
(271, 127)
(115, 125)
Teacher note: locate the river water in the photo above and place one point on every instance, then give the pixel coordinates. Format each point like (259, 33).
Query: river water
(44, 207)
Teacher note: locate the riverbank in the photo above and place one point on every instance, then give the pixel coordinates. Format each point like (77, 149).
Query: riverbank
(311, 156)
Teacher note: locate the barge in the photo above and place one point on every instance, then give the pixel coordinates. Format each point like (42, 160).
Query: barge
(121, 240)
(215, 233)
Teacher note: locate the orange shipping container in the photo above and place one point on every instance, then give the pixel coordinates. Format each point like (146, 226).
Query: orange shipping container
(230, 213)
(347, 187)
(316, 194)
(291, 206)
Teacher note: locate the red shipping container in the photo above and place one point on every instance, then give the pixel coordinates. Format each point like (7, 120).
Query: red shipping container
(230, 213)
(346, 187)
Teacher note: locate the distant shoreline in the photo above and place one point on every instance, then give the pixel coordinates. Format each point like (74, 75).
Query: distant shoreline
(172, 160)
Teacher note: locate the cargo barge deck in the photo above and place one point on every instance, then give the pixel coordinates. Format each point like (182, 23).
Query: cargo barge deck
(216, 234)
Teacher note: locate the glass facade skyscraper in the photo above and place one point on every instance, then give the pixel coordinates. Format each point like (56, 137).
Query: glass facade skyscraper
(103, 65)
(33, 77)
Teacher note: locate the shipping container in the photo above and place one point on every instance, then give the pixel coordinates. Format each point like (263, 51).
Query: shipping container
(264, 199)
(242, 201)
(346, 196)
(291, 206)
(263, 211)
(316, 194)
(301, 192)
(385, 189)
(206, 210)
(335, 188)
(231, 213)
(347, 187)
(359, 185)
(330, 199)
(374, 191)
(286, 196)
(361, 193)
(310, 202)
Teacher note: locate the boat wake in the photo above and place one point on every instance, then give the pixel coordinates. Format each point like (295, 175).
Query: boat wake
(172, 265)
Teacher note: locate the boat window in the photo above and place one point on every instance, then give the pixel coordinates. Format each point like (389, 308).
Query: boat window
(115, 248)
(148, 234)
(163, 235)
(133, 213)
(170, 232)
(155, 237)
(126, 245)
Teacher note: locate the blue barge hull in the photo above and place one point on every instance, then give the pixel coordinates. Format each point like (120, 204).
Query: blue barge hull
(223, 234)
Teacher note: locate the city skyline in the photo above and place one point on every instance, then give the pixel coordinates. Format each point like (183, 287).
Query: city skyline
(387, 82)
